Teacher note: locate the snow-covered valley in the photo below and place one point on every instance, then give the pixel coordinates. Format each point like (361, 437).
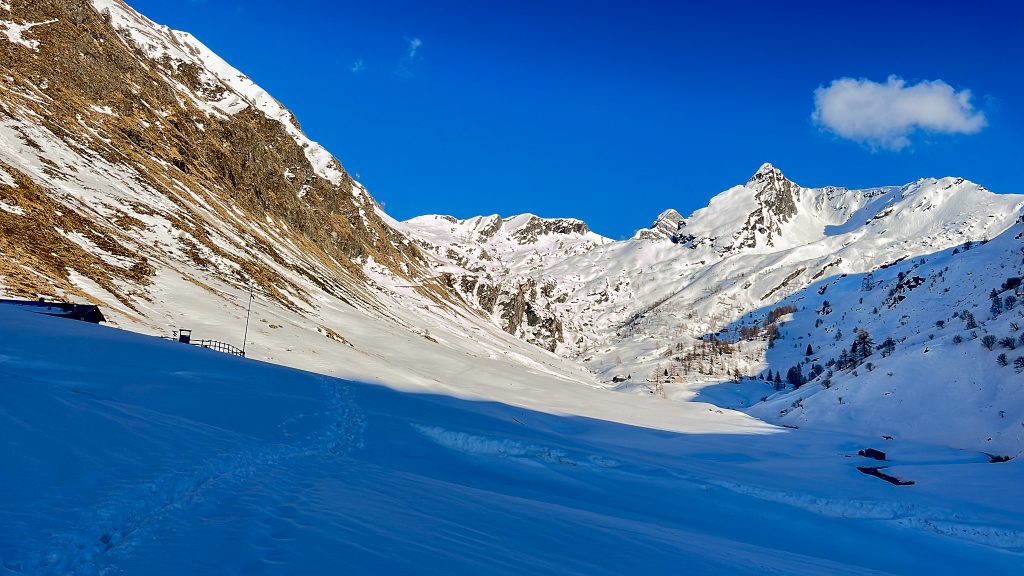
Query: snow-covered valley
(162, 458)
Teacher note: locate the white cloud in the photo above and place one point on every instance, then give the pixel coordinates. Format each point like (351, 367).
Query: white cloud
(409, 59)
(357, 66)
(886, 115)
(414, 46)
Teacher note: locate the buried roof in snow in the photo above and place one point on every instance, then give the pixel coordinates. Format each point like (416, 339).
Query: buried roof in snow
(84, 312)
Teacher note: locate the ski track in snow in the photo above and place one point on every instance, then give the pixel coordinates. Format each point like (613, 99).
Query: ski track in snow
(126, 516)
(903, 514)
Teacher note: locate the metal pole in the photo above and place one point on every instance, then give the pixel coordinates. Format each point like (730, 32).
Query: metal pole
(247, 312)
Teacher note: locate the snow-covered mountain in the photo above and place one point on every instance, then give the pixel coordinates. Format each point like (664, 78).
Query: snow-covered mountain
(942, 367)
(753, 244)
(491, 262)
(142, 172)
(641, 309)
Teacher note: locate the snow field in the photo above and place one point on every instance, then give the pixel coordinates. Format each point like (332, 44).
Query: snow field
(138, 455)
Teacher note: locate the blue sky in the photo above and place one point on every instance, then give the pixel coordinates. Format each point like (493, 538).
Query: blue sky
(614, 111)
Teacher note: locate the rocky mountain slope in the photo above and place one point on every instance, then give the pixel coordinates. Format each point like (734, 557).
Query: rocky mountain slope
(141, 172)
(126, 143)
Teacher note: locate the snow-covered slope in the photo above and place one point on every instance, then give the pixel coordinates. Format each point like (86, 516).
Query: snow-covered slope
(641, 310)
(949, 373)
(162, 458)
(515, 245)
(491, 262)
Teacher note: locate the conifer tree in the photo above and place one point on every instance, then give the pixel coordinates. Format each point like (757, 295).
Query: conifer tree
(844, 360)
(888, 346)
(861, 348)
(969, 321)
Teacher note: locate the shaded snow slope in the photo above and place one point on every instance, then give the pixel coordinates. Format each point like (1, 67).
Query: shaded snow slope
(162, 458)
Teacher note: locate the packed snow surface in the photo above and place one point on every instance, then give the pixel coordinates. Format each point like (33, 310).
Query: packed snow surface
(128, 454)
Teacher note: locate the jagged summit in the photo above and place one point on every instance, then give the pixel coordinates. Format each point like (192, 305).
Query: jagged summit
(770, 177)
(770, 212)
(666, 225)
(766, 169)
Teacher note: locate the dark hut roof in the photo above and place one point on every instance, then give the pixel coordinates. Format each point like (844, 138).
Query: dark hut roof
(84, 312)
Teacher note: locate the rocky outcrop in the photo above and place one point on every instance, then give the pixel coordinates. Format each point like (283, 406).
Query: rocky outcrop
(523, 316)
(777, 199)
(490, 259)
(534, 228)
(668, 225)
(136, 134)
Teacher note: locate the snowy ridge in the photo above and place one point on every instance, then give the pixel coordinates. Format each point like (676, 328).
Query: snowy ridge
(822, 232)
(518, 243)
(495, 265)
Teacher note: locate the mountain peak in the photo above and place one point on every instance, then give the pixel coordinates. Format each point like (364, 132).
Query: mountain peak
(767, 172)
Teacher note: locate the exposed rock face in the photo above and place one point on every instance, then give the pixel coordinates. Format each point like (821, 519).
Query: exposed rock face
(777, 200)
(668, 224)
(530, 231)
(519, 310)
(490, 262)
(134, 139)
